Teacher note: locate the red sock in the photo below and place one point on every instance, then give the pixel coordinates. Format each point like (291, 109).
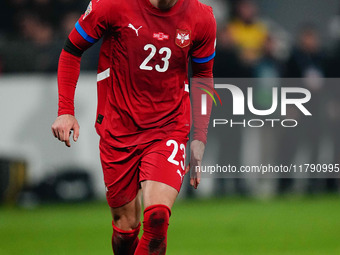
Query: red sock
(124, 242)
(155, 227)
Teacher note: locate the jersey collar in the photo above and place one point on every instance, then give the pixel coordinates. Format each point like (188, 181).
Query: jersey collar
(159, 12)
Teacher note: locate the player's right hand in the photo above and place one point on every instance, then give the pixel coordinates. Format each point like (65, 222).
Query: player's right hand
(62, 127)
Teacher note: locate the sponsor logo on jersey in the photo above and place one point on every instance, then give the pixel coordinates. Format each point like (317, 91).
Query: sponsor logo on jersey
(88, 10)
(183, 38)
(160, 36)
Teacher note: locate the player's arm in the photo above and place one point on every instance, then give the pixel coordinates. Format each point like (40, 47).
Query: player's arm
(68, 74)
(202, 66)
(87, 31)
(202, 75)
(202, 78)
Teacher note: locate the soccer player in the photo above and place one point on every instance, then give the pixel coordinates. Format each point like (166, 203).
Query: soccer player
(143, 114)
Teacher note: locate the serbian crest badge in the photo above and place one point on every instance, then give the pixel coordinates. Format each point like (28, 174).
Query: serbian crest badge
(183, 38)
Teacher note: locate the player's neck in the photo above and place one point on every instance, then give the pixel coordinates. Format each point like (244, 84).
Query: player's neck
(163, 4)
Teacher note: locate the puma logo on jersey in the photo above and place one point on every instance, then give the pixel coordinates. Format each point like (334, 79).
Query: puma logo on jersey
(180, 174)
(136, 30)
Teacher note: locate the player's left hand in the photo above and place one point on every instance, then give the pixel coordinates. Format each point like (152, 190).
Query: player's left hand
(196, 151)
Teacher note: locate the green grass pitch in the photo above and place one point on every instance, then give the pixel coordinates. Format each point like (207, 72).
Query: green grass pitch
(285, 226)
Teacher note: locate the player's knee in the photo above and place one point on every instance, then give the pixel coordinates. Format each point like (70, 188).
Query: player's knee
(125, 221)
(156, 220)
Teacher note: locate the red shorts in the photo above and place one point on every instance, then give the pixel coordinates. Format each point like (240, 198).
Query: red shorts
(125, 168)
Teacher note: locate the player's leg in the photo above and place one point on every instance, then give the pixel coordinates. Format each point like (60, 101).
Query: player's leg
(120, 168)
(127, 217)
(161, 175)
(155, 192)
(158, 199)
(126, 226)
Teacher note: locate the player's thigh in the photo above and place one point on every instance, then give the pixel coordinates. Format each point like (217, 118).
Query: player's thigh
(155, 193)
(162, 170)
(120, 170)
(127, 217)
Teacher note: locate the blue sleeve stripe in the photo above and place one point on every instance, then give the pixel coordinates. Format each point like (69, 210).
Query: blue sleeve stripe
(203, 60)
(83, 34)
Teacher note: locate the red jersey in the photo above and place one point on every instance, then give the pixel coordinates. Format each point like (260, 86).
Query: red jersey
(143, 92)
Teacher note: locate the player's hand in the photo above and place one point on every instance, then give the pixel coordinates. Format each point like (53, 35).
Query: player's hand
(62, 127)
(196, 151)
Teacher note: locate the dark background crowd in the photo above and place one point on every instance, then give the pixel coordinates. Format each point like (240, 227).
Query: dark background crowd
(32, 32)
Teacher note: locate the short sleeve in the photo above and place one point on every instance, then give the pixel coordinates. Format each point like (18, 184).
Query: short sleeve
(96, 20)
(204, 43)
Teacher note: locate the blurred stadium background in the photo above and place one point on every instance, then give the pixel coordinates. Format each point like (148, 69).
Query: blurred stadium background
(52, 197)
